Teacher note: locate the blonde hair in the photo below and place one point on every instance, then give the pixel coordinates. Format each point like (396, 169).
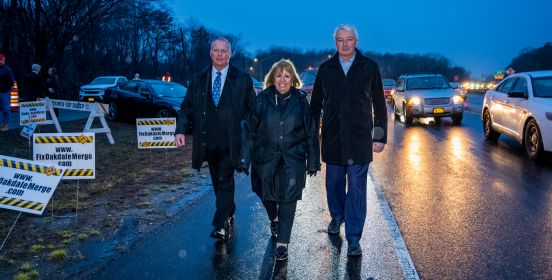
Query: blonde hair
(280, 66)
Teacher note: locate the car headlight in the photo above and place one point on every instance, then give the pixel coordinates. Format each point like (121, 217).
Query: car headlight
(457, 99)
(415, 101)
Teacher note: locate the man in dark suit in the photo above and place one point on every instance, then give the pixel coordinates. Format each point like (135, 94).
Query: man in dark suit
(33, 85)
(217, 102)
(347, 89)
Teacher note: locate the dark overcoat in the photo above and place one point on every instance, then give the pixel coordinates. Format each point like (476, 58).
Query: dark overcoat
(353, 110)
(193, 112)
(281, 145)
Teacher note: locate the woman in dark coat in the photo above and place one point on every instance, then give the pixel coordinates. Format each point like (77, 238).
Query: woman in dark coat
(282, 146)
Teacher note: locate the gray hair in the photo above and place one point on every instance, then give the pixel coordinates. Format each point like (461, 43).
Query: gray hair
(36, 67)
(347, 27)
(224, 40)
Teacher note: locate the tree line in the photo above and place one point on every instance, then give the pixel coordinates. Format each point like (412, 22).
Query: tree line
(86, 39)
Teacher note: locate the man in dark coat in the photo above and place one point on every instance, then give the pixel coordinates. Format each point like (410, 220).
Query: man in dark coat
(6, 83)
(33, 85)
(217, 102)
(347, 89)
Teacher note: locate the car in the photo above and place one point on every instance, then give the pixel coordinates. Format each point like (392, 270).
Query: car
(307, 78)
(258, 86)
(388, 87)
(145, 99)
(94, 91)
(426, 95)
(520, 107)
(458, 87)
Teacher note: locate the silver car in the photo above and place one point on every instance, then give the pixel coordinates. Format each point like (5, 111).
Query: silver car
(426, 95)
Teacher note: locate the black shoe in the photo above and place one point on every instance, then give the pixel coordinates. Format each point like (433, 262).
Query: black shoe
(333, 227)
(219, 233)
(281, 253)
(274, 229)
(354, 249)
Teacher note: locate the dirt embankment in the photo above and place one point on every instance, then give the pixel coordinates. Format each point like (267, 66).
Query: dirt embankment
(131, 194)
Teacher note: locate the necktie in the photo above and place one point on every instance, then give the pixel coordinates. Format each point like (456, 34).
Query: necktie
(216, 89)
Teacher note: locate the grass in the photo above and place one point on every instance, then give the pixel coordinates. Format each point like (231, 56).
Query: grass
(28, 275)
(94, 232)
(83, 236)
(58, 255)
(26, 267)
(36, 248)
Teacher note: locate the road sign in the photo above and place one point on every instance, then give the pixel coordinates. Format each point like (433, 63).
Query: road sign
(510, 71)
(156, 133)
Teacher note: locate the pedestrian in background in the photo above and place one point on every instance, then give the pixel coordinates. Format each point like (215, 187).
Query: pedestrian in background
(282, 146)
(6, 83)
(136, 76)
(33, 85)
(52, 84)
(348, 90)
(167, 77)
(217, 102)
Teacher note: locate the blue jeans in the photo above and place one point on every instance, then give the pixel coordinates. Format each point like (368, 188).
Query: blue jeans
(348, 203)
(5, 109)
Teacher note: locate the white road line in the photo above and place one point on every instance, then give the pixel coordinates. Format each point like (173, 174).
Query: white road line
(407, 266)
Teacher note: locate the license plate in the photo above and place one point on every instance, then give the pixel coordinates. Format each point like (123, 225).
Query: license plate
(90, 99)
(438, 110)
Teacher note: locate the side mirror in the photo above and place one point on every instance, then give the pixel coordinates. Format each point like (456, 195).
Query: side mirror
(399, 89)
(516, 94)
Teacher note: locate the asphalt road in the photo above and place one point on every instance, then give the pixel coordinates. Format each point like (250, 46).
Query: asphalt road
(467, 209)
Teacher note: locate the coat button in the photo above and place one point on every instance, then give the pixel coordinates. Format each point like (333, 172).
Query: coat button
(281, 123)
(281, 137)
(204, 113)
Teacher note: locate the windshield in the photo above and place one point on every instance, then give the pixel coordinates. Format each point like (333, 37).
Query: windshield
(435, 82)
(388, 82)
(172, 90)
(104, 81)
(542, 87)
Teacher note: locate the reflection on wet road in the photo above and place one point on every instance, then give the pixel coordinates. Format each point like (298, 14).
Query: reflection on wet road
(467, 209)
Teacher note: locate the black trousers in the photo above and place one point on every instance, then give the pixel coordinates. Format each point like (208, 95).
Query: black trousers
(285, 211)
(222, 177)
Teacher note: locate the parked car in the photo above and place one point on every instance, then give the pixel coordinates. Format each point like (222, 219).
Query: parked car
(307, 78)
(520, 107)
(388, 87)
(258, 86)
(426, 95)
(145, 99)
(94, 91)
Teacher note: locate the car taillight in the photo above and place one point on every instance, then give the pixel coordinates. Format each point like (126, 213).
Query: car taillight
(14, 97)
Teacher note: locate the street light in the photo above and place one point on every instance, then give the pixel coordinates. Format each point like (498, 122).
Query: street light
(261, 64)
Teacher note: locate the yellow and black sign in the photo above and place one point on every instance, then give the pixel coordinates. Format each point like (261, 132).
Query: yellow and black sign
(14, 202)
(32, 104)
(82, 139)
(158, 144)
(78, 172)
(29, 167)
(157, 122)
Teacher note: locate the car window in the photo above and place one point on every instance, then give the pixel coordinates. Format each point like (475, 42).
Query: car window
(388, 82)
(542, 87)
(521, 86)
(506, 86)
(131, 86)
(400, 84)
(104, 80)
(434, 82)
(169, 90)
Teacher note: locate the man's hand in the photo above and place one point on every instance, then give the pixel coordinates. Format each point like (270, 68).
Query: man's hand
(242, 170)
(311, 173)
(180, 140)
(377, 147)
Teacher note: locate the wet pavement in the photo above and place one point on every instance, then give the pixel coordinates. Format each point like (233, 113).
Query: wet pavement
(184, 250)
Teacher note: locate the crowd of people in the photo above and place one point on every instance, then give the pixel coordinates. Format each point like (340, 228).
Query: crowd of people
(274, 135)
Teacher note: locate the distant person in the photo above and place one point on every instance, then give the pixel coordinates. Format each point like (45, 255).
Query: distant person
(217, 102)
(6, 83)
(348, 93)
(136, 76)
(167, 77)
(52, 84)
(282, 146)
(33, 86)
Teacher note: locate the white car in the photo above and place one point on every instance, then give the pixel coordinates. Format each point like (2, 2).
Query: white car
(521, 108)
(95, 90)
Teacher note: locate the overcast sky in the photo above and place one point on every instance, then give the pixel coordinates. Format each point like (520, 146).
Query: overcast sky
(482, 36)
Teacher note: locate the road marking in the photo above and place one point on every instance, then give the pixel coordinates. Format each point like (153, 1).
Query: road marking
(407, 266)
